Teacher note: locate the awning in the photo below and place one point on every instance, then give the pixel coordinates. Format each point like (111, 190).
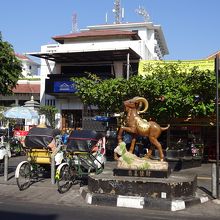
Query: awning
(91, 56)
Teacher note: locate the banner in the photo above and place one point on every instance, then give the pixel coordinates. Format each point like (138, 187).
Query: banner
(147, 66)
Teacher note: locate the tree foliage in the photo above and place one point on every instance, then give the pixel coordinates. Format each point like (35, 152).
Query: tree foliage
(2, 109)
(170, 91)
(10, 68)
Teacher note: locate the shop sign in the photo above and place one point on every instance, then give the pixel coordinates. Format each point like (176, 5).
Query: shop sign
(64, 86)
(147, 66)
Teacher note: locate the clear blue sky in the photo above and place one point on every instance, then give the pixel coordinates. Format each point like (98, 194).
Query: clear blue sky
(191, 27)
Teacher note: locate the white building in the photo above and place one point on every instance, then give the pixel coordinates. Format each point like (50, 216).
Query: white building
(26, 87)
(29, 67)
(152, 44)
(107, 50)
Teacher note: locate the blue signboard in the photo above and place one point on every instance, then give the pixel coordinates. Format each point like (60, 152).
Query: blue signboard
(64, 86)
(102, 118)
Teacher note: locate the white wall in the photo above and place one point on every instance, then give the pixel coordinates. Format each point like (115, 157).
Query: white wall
(30, 68)
(71, 102)
(44, 72)
(145, 31)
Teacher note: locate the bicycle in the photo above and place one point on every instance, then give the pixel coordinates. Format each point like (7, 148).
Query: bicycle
(85, 154)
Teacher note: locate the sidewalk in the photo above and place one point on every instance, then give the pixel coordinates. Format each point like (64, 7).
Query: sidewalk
(46, 192)
(41, 192)
(203, 173)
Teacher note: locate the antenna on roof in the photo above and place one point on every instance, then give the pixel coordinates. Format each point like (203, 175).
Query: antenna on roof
(142, 11)
(117, 11)
(123, 14)
(74, 23)
(106, 18)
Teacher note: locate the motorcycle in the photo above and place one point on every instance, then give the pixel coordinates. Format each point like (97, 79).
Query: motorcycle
(4, 150)
(15, 146)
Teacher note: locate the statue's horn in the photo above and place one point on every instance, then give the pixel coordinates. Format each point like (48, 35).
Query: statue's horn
(144, 101)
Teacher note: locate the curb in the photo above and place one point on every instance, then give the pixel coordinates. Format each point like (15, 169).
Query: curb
(216, 201)
(139, 202)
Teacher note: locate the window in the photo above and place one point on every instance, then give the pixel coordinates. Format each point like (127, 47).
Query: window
(50, 102)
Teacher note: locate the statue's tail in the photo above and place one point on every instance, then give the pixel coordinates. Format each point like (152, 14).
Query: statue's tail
(165, 128)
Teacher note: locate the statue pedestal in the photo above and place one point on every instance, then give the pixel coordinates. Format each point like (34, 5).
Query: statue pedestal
(174, 187)
(171, 193)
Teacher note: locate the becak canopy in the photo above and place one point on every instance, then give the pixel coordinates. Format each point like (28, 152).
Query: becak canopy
(83, 140)
(40, 137)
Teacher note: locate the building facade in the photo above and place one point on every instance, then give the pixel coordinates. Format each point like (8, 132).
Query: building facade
(107, 50)
(29, 67)
(27, 86)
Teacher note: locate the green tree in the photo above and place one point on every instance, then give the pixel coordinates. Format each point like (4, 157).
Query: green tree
(10, 68)
(2, 109)
(107, 95)
(49, 112)
(170, 91)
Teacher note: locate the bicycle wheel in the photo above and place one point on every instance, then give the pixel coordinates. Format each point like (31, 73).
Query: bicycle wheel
(24, 177)
(64, 181)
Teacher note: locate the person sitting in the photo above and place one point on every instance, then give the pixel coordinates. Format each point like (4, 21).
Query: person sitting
(42, 137)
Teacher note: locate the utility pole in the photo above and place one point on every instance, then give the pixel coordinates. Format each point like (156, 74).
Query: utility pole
(217, 70)
(215, 166)
(128, 66)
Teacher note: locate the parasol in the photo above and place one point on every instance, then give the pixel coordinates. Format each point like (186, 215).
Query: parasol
(20, 112)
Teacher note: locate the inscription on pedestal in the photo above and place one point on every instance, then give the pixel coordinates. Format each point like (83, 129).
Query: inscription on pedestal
(142, 173)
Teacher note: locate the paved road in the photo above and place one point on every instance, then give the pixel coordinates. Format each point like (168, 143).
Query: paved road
(70, 206)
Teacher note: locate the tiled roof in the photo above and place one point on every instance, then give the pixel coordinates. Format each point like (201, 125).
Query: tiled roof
(27, 88)
(212, 56)
(21, 56)
(96, 34)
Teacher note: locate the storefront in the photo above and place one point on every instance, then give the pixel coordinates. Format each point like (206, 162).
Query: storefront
(71, 119)
(197, 136)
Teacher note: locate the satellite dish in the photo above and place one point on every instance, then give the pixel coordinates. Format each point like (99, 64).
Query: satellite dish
(142, 11)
